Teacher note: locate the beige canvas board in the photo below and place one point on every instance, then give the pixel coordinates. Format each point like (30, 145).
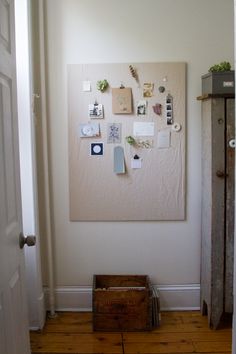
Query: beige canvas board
(154, 187)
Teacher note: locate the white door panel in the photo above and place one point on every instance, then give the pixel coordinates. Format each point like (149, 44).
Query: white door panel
(14, 336)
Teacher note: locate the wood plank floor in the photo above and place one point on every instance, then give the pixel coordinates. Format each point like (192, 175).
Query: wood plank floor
(179, 332)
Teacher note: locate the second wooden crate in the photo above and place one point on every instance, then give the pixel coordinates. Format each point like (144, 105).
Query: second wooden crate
(122, 303)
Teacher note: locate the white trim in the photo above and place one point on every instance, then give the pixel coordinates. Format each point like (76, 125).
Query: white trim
(172, 297)
(41, 311)
(179, 297)
(39, 323)
(71, 298)
(46, 164)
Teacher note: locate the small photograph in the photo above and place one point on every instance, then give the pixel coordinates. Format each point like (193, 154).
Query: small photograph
(114, 133)
(169, 100)
(89, 130)
(142, 108)
(96, 149)
(148, 88)
(95, 111)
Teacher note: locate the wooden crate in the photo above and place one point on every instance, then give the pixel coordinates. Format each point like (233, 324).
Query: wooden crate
(122, 303)
(218, 83)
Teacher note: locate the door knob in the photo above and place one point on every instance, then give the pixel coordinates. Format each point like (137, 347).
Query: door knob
(29, 240)
(221, 174)
(232, 143)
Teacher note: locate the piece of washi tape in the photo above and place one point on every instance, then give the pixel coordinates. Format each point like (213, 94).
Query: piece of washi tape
(119, 160)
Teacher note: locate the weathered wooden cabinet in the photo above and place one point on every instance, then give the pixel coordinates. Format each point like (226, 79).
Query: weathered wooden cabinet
(217, 206)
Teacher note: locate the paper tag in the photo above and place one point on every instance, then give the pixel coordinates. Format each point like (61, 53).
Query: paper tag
(136, 163)
(228, 84)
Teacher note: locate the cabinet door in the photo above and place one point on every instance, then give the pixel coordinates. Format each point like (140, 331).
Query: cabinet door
(217, 254)
(229, 202)
(213, 209)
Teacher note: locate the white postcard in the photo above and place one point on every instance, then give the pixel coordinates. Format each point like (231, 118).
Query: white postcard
(143, 129)
(88, 130)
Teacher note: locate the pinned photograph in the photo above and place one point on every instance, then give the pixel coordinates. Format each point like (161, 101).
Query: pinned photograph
(96, 149)
(148, 88)
(169, 109)
(89, 130)
(169, 118)
(95, 111)
(142, 108)
(114, 133)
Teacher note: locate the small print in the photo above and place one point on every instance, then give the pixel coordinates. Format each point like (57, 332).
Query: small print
(96, 149)
(114, 133)
(148, 89)
(95, 111)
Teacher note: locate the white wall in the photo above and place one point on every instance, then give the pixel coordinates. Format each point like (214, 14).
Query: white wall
(199, 32)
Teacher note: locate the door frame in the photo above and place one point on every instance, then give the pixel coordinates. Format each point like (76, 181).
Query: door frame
(26, 122)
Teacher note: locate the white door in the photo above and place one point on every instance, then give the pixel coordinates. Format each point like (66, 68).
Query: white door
(14, 335)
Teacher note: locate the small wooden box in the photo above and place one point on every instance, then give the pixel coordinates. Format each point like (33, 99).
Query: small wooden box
(122, 303)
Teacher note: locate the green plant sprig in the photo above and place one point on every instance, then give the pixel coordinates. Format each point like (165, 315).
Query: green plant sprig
(223, 66)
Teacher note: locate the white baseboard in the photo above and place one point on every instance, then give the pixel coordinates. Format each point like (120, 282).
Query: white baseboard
(172, 297)
(179, 297)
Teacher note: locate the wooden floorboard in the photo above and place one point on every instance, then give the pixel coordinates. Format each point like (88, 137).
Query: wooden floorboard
(179, 332)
